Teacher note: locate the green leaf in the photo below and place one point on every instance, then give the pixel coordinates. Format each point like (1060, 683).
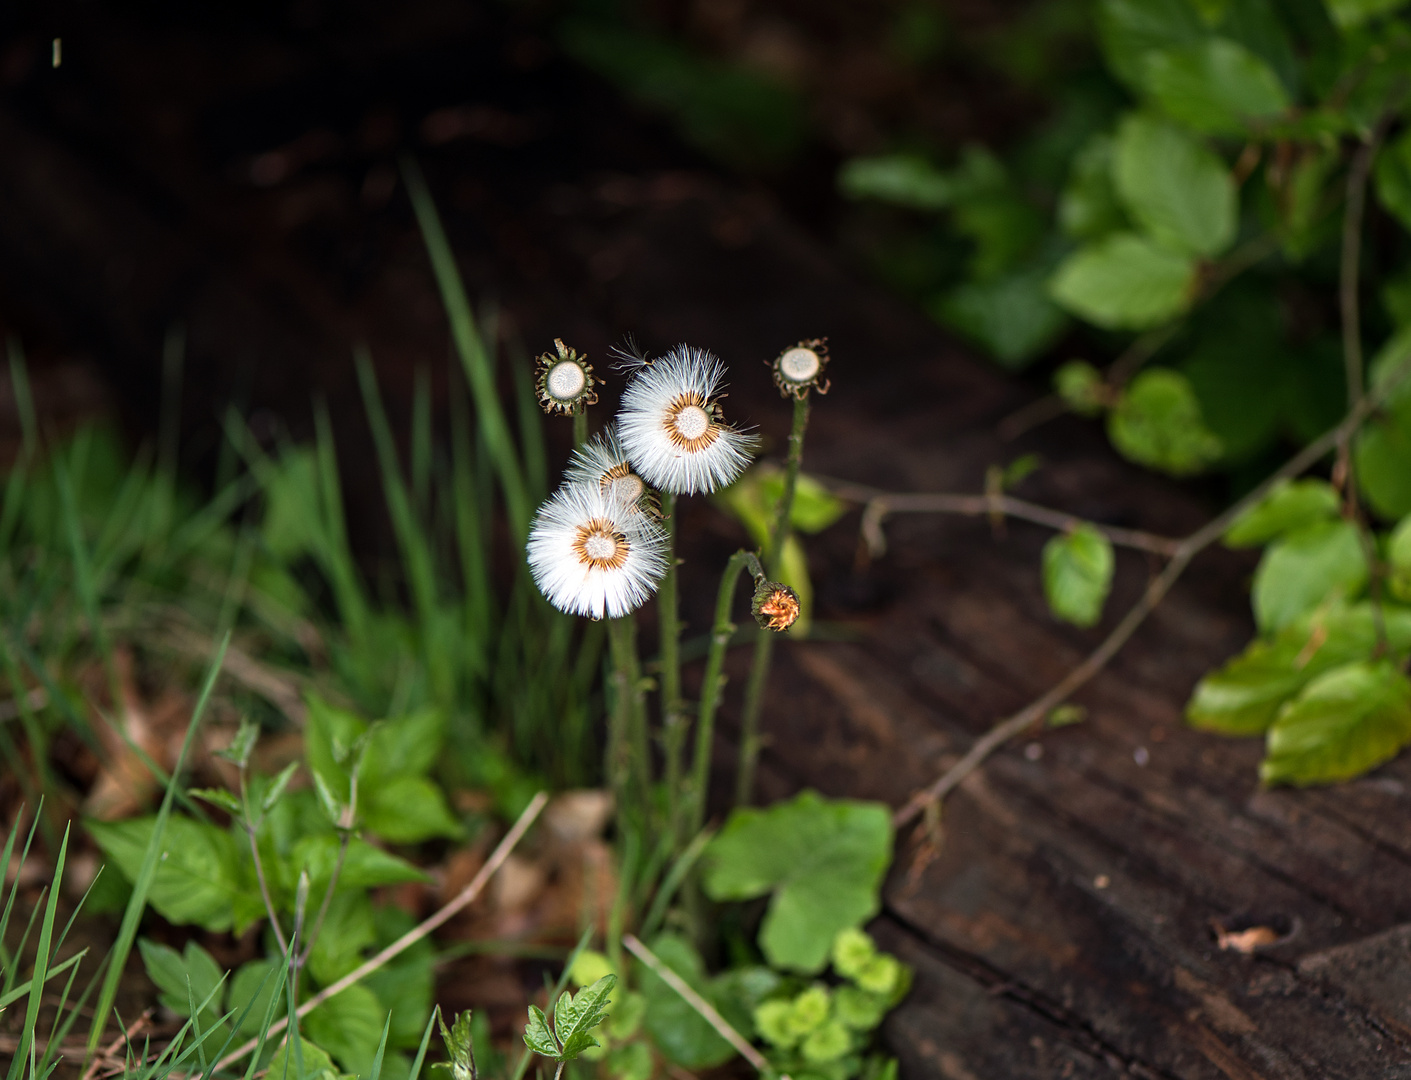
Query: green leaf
(276, 789)
(202, 877)
(348, 1025)
(1289, 506)
(630, 1062)
(681, 1033)
(182, 977)
(1012, 316)
(408, 810)
(1078, 574)
(1157, 422)
(822, 859)
(1398, 554)
(1174, 187)
(1216, 87)
(1382, 454)
(1081, 386)
(899, 179)
(1347, 721)
(1349, 14)
(217, 797)
(254, 984)
(317, 1064)
(575, 1015)
(460, 1047)
(1304, 568)
(1124, 282)
(1088, 207)
(364, 866)
(537, 1035)
(1130, 29)
(242, 744)
(405, 984)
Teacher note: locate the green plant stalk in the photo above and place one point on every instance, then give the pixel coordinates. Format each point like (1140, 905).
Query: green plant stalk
(764, 644)
(580, 427)
(713, 685)
(619, 765)
(673, 713)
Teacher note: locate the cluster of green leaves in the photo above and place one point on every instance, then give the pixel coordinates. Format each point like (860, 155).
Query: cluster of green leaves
(1198, 204)
(1325, 681)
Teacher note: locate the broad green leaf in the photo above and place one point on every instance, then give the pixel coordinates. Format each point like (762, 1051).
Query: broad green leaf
(1244, 696)
(348, 929)
(405, 984)
(1347, 721)
(1290, 505)
(1306, 224)
(1393, 178)
(349, 1026)
(1124, 282)
(1382, 454)
(1157, 422)
(1216, 87)
(1349, 14)
(1305, 568)
(1012, 316)
(1078, 575)
(681, 1033)
(202, 878)
(1398, 555)
(823, 861)
(364, 866)
(900, 179)
(1089, 207)
(317, 1064)
(1130, 29)
(537, 1035)
(632, 1061)
(576, 1015)
(180, 977)
(1174, 187)
(1082, 387)
(253, 986)
(408, 810)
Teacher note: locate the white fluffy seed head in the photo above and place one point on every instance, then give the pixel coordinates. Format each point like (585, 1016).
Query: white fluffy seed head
(592, 555)
(602, 462)
(671, 426)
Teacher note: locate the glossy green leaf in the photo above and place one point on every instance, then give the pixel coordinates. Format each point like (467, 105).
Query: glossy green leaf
(184, 976)
(679, 1032)
(1174, 187)
(1217, 87)
(1398, 556)
(1012, 316)
(538, 1036)
(1347, 721)
(1305, 568)
(576, 1015)
(1089, 207)
(821, 859)
(1130, 29)
(1078, 575)
(1157, 422)
(1124, 282)
(1289, 506)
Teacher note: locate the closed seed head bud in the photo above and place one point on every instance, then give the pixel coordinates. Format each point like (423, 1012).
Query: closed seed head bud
(565, 382)
(775, 606)
(799, 368)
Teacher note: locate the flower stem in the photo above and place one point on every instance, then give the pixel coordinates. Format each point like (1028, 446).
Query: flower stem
(626, 759)
(713, 685)
(673, 714)
(764, 644)
(580, 427)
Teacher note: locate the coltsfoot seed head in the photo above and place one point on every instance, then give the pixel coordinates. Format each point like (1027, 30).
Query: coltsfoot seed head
(565, 382)
(799, 368)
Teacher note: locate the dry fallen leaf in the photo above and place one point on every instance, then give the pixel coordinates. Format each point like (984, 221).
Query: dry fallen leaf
(1247, 940)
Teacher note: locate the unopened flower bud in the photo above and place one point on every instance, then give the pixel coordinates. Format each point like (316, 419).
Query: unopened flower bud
(799, 368)
(775, 606)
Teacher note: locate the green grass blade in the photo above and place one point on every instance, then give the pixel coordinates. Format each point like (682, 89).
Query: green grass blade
(376, 1073)
(425, 1042)
(475, 359)
(41, 966)
(336, 558)
(12, 962)
(23, 988)
(422, 444)
(531, 432)
(83, 572)
(127, 933)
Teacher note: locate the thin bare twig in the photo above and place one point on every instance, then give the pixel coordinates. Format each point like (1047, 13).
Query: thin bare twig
(700, 1004)
(1187, 550)
(412, 936)
(878, 504)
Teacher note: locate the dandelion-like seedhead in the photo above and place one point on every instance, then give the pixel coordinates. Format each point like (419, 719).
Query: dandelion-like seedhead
(672, 426)
(602, 462)
(565, 382)
(591, 555)
(799, 368)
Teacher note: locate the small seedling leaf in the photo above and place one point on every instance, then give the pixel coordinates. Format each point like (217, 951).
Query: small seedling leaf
(1078, 574)
(537, 1035)
(575, 1015)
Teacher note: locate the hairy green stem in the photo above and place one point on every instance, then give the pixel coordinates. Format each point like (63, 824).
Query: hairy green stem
(618, 766)
(580, 427)
(713, 685)
(673, 713)
(764, 644)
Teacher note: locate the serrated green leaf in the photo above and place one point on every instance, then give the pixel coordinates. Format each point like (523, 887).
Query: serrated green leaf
(1349, 14)
(1124, 282)
(1174, 187)
(575, 1015)
(1217, 87)
(1078, 574)
(460, 1047)
(1289, 506)
(1305, 568)
(408, 810)
(181, 978)
(1157, 422)
(242, 744)
(275, 791)
(1347, 721)
(537, 1035)
(823, 861)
